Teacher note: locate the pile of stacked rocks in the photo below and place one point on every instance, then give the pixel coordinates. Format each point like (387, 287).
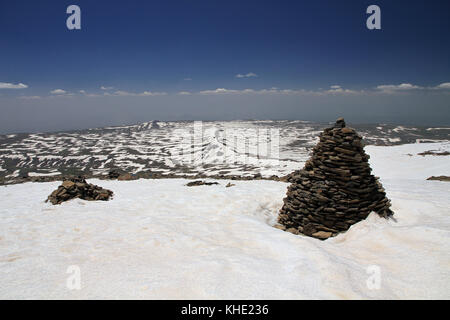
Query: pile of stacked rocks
(77, 187)
(335, 189)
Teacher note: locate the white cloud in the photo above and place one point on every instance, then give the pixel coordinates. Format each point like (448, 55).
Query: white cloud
(30, 97)
(58, 91)
(248, 75)
(340, 91)
(250, 91)
(149, 93)
(91, 95)
(400, 87)
(5, 85)
(222, 91)
(234, 91)
(122, 93)
(336, 91)
(333, 90)
(445, 85)
(404, 87)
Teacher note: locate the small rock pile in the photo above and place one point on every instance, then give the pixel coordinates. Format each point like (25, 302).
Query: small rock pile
(335, 189)
(78, 188)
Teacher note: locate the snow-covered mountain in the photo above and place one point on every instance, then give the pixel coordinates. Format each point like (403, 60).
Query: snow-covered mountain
(188, 148)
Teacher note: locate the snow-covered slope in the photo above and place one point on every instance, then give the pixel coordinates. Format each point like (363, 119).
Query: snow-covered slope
(160, 239)
(185, 147)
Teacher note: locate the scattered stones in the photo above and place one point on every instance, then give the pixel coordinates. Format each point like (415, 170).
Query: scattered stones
(200, 183)
(140, 175)
(335, 189)
(77, 187)
(440, 178)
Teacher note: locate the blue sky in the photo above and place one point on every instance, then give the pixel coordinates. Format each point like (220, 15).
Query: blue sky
(295, 55)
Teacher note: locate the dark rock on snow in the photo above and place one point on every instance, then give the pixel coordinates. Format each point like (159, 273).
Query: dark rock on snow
(78, 188)
(200, 183)
(440, 178)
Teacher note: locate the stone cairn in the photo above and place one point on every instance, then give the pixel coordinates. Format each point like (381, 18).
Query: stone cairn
(335, 189)
(78, 188)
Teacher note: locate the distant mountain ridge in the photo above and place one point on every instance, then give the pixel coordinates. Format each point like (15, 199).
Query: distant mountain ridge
(156, 146)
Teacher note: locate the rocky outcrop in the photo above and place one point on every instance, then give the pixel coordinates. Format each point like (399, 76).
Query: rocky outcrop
(115, 173)
(121, 175)
(335, 189)
(126, 177)
(78, 188)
